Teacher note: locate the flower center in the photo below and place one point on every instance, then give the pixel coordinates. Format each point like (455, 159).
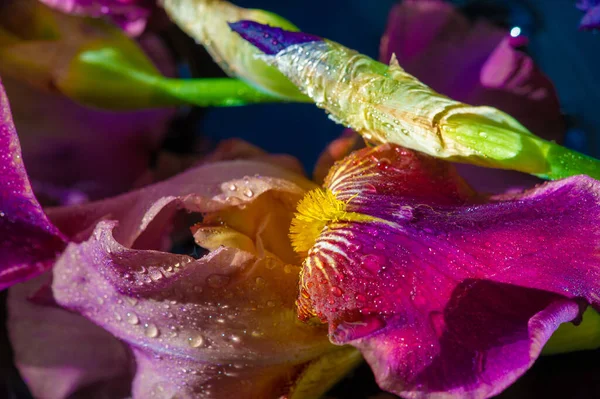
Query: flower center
(318, 208)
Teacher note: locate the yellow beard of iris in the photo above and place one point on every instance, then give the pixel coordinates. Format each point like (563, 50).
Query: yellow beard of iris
(318, 208)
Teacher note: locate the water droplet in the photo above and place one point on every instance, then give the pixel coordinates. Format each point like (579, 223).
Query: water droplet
(232, 187)
(260, 283)
(383, 164)
(248, 193)
(217, 280)
(196, 342)
(118, 317)
(336, 291)
(373, 263)
(150, 330)
(142, 270)
(155, 274)
(132, 318)
(235, 339)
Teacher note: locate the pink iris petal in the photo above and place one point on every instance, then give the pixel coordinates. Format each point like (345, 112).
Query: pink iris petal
(477, 63)
(30, 241)
(448, 292)
(61, 354)
(131, 15)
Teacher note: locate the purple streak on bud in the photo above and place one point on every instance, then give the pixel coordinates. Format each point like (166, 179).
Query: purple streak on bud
(268, 39)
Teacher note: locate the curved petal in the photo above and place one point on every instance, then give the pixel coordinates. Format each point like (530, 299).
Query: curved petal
(30, 241)
(60, 354)
(444, 292)
(216, 326)
(209, 325)
(206, 188)
(131, 15)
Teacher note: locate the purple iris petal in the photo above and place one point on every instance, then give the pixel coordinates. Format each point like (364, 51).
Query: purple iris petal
(29, 240)
(131, 15)
(447, 291)
(194, 325)
(591, 20)
(268, 39)
(61, 354)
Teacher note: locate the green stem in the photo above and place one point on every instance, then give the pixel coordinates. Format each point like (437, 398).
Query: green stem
(564, 162)
(212, 92)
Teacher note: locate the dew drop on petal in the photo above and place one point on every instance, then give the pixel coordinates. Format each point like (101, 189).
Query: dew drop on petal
(217, 280)
(336, 291)
(232, 187)
(155, 274)
(150, 330)
(248, 193)
(196, 342)
(372, 263)
(132, 318)
(260, 283)
(379, 246)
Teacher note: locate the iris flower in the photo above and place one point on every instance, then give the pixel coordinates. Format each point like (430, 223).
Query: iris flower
(215, 325)
(442, 289)
(189, 287)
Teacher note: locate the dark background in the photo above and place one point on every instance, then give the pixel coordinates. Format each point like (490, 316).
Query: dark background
(569, 57)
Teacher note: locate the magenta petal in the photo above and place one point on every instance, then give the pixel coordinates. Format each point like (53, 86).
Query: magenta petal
(60, 354)
(443, 285)
(131, 15)
(29, 240)
(488, 336)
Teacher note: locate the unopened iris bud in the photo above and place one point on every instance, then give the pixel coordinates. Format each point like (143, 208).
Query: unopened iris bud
(385, 104)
